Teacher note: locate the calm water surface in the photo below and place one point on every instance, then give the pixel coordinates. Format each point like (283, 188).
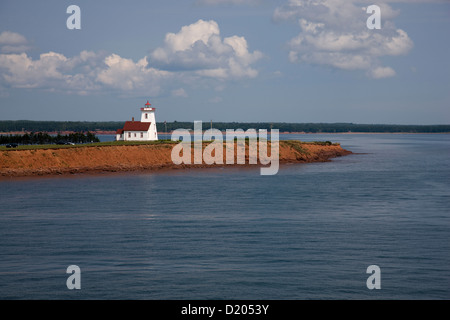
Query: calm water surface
(310, 232)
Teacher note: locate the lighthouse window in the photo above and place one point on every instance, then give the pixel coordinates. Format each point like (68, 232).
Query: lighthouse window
(146, 116)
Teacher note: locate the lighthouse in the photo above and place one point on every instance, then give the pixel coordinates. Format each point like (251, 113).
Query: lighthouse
(144, 130)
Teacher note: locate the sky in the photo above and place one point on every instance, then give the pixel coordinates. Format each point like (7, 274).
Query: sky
(226, 61)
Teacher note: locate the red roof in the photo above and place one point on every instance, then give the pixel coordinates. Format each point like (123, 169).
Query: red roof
(136, 126)
(119, 131)
(148, 104)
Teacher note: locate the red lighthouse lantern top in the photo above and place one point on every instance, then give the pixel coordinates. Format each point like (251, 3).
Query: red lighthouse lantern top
(148, 107)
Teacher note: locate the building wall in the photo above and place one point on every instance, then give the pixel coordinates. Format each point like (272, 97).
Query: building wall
(150, 116)
(146, 136)
(153, 132)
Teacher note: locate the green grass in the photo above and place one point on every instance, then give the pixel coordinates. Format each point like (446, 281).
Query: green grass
(295, 144)
(324, 143)
(87, 145)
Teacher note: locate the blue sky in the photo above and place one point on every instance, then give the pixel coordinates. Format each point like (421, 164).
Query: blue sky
(226, 60)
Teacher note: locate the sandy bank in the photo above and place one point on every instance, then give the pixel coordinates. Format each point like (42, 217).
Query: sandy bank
(16, 163)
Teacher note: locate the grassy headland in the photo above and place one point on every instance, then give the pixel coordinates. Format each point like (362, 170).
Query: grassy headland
(134, 156)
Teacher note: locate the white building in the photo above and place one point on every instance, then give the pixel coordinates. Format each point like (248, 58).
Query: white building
(144, 130)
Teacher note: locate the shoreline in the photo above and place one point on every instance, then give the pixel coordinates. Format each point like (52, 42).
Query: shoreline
(106, 133)
(139, 158)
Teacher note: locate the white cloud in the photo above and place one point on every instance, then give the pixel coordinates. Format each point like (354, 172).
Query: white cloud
(197, 51)
(86, 73)
(12, 38)
(411, 1)
(334, 33)
(199, 48)
(231, 2)
(52, 71)
(382, 72)
(179, 93)
(189, 35)
(13, 42)
(126, 75)
(23, 72)
(215, 100)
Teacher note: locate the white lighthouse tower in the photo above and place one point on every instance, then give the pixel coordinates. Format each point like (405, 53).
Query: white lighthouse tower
(144, 130)
(148, 116)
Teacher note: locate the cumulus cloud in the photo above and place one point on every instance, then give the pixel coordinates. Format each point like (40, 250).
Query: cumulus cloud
(85, 73)
(179, 93)
(196, 51)
(12, 38)
(52, 71)
(215, 100)
(200, 48)
(334, 33)
(231, 2)
(13, 42)
(127, 75)
(382, 72)
(23, 72)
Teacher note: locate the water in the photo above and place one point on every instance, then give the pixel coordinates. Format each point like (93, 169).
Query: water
(310, 232)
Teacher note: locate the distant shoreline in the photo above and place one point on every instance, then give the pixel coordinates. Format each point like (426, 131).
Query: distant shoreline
(110, 127)
(104, 133)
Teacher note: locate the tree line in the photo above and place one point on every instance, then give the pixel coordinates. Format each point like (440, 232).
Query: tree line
(313, 127)
(84, 126)
(57, 126)
(45, 138)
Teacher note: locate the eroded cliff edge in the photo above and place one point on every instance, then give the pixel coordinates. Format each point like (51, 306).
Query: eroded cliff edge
(123, 158)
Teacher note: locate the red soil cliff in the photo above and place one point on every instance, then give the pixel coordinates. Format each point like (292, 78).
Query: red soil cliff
(132, 158)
